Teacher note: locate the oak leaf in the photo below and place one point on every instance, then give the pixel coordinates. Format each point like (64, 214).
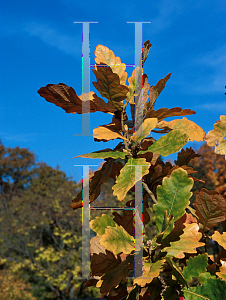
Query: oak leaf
(66, 98)
(150, 270)
(103, 133)
(170, 143)
(163, 113)
(218, 134)
(188, 242)
(173, 197)
(222, 273)
(144, 130)
(106, 56)
(210, 208)
(117, 240)
(102, 260)
(220, 238)
(96, 180)
(155, 91)
(195, 266)
(108, 85)
(194, 131)
(184, 156)
(127, 177)
(104, 154)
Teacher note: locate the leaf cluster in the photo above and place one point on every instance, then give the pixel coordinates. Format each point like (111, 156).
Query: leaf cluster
(176, 261)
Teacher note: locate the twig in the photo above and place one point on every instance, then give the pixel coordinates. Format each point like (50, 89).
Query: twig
(149, 192)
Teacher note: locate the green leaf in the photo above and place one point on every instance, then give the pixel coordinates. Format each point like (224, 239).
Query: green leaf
(105, 153)
(212, 289)
(117, 240)
(108, 85)
(126, 179)
(173, 196)
(204, 276)
(99, 224)
(176, 271)
(195, 266)
(168, 144)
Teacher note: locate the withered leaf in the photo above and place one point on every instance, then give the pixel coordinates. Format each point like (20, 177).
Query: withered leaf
(184, 156)
(155, 92)
(126, 220)
(66, 98)
(102, 260)
(108, 85)
(99, 177)
(210, 208)
(163, 113)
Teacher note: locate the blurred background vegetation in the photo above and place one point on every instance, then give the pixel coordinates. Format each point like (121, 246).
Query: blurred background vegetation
(41, 236)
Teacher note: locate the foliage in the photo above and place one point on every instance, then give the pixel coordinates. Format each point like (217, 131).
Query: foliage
(12, 287)
(175, 259)
(40, 242)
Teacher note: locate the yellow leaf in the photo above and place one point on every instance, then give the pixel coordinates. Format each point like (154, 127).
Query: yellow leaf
(103, 133)
(194, 131)
(106, 56)
(220, 238)
(188, 242)
(145, 129)
(222, 273)
(219, 133)
(150, 270)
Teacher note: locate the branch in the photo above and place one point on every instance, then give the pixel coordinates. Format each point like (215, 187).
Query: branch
(149, 192)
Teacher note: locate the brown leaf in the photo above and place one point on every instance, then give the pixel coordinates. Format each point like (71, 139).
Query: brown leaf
(126, 220)
(210, 208)
(113, 277)
(66, 98)
(99, 177)
(175, 233)
(155, 91)
(145, 50)
(163, 113)
(147, 142)
(108, 85)
(102, 260)
(184, 156)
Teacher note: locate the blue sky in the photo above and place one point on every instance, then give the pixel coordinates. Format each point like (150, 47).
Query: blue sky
(40, 44)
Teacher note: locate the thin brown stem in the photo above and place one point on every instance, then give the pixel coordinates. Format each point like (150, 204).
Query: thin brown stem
(149, 192)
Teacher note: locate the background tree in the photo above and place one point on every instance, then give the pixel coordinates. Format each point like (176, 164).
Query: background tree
(40, 235)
